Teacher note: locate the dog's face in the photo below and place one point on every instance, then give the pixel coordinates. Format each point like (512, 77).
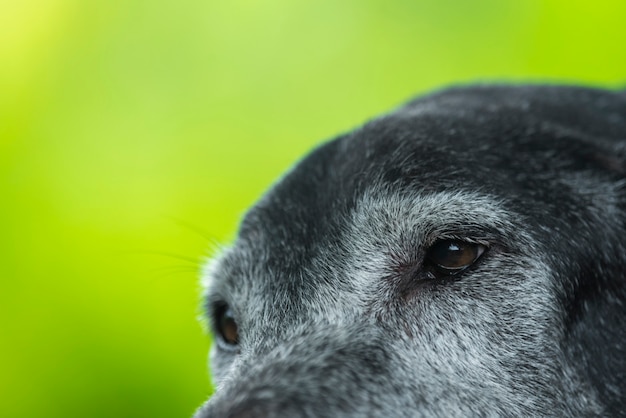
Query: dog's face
(461, 256)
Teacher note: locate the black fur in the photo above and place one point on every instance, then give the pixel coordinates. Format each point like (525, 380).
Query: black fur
(339, 314)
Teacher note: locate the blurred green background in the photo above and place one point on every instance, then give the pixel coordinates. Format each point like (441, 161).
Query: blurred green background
(133, 135)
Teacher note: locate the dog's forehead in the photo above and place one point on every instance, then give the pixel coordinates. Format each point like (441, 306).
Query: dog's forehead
(531, 146)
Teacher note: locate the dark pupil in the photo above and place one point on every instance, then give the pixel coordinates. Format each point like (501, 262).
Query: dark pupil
(227, 326)
(453, 255)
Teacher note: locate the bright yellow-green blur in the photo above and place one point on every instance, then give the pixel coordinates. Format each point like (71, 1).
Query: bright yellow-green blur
(133, 134)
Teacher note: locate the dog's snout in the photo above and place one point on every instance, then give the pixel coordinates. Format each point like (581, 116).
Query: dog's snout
(307, 375)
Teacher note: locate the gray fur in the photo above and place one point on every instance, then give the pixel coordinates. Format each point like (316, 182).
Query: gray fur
(326, 277)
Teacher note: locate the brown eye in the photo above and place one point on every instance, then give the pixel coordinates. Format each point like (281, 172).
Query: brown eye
(451, 256)
(225, 325)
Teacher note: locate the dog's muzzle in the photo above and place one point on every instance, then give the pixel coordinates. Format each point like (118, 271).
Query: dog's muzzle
(327, 373)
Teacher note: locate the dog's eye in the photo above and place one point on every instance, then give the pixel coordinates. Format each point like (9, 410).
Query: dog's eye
(225, 325)
(452, 256)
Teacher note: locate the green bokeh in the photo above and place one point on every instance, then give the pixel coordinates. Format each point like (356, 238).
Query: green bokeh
(133, 135)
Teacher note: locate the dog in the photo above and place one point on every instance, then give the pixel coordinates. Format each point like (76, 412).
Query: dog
(461, 256)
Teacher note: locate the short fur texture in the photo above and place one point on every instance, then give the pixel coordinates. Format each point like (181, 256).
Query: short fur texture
(326, 282)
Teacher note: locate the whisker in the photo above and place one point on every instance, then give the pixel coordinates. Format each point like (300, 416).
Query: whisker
(194, 228)
(194, 261)
(164, 272)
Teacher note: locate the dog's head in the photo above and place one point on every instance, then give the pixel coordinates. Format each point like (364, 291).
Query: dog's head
(464, 255)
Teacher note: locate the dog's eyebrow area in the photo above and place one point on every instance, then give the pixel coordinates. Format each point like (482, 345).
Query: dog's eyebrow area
(384, 229)
(384, 232)
(421, 219)
(388, 230)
